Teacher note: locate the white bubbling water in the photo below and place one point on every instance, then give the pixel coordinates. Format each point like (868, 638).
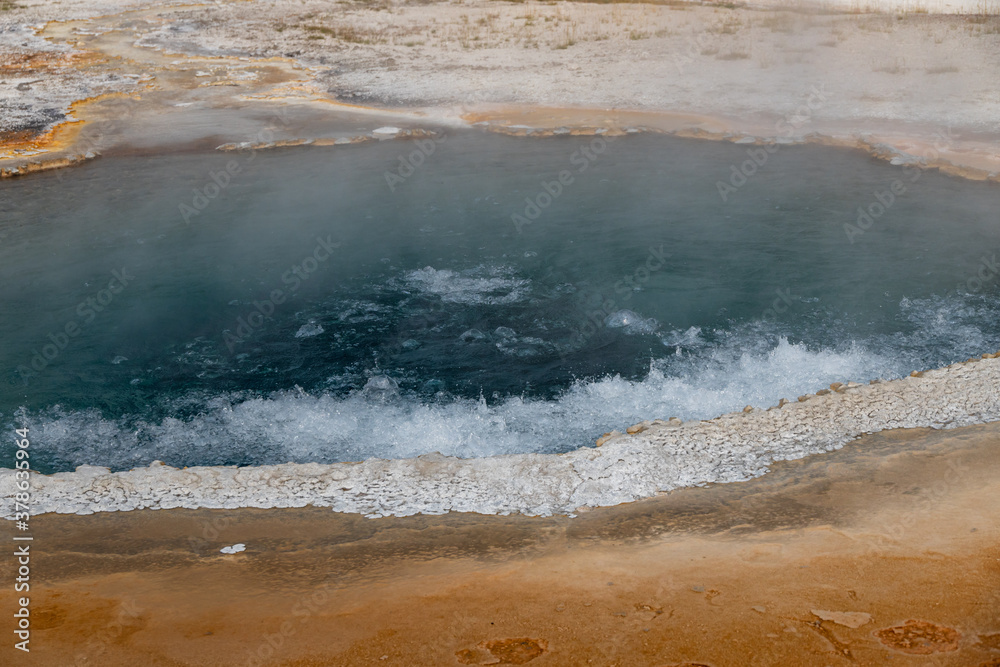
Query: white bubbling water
(376, 422)
(481, 285)
(309, 330)
(631, 322)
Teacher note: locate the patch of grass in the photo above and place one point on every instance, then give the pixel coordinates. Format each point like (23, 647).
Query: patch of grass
(569, 37)
(343, 33)
(636, 35)
(7, 5)
(910, 10)
(321, 29)
(377, 5)
(893, 66)
(866, 7)
(941, 69)
(876, 24)
(987, 15)
(728, 26)
(988, 8)
(778, 23)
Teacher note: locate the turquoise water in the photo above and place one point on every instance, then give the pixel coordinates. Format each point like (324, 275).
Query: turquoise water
(312, 309)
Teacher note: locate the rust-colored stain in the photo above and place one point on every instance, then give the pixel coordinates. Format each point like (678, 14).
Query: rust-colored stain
(989, 641)
(503, 652)
(46, 62)
(61, 137)
(920, 637)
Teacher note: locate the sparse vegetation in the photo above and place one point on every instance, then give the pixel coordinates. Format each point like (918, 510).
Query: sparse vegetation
(569, 37)
(988, 8)
(782, 22)
(737, 54)
(728, 26)
(986, 20)
(941, 69)
(891, 66)
(344, 34)
(876, 24)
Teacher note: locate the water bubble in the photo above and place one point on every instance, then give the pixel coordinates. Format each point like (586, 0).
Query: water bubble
(505, 332)
(631, 322)
(309, 330)
(471, 336)
(380, 388)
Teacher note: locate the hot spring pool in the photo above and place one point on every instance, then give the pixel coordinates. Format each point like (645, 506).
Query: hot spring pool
(315, 310)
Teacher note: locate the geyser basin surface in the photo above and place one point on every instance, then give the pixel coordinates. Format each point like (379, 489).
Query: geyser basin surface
(731, 448)
(314, 310)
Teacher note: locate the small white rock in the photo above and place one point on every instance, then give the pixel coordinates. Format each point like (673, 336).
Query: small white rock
(235, 549)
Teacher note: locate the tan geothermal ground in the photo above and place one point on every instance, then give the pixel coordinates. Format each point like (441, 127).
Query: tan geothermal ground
(882, 553)
(886, 552)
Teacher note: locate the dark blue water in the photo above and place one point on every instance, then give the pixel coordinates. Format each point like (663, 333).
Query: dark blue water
(310, 312)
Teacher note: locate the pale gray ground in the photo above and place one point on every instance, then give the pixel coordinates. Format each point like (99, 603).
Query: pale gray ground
(875, 69)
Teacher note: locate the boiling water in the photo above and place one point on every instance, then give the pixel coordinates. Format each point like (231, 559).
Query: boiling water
(323, 304)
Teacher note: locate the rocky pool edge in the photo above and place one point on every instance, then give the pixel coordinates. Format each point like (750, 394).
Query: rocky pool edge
(651, 458)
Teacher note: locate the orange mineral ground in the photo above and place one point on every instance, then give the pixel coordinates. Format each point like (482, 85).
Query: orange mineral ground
(883, 553)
